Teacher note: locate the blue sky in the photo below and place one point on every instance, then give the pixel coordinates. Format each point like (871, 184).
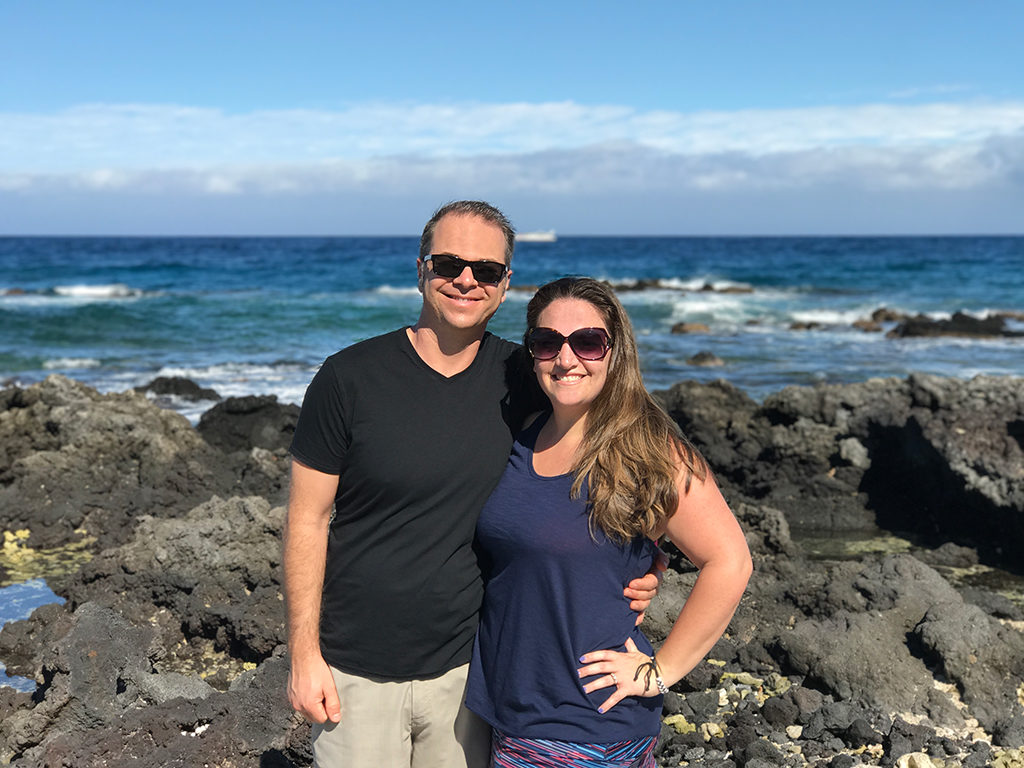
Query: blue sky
(587, 117)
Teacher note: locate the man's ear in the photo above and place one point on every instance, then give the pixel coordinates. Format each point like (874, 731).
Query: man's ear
(420, 275)
(508, 282)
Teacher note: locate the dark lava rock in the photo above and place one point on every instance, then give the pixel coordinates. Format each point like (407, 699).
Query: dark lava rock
(674, 704)
(766, 529)
(178, 386)
(884, 315)
(937, 456)
(759, 752)
(807, 701)
(905, 737)
(71, 458)
(21, 641)
(705, 359)
(738, 737)
(994, 604)
(704, 705)
(690, 328)
(959, 324)
(700, 678)
(860, 733)
(663, 611)
(104, 701)
(779, 712)
(183, 576)
(217, 569)
(867, 656)
(949, 555)
(242, 423)
(980, 756)
(1009, 730)
(984, 658)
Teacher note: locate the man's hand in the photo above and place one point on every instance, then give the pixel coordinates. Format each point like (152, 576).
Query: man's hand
(311, 688)
(641, 591)
(312, 692)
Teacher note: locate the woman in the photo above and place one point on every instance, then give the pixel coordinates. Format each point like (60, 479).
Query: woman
(589, 488)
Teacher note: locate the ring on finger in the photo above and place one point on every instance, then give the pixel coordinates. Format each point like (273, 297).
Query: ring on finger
(613, 677)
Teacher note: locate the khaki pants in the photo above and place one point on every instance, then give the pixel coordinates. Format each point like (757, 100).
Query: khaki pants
(406, 724)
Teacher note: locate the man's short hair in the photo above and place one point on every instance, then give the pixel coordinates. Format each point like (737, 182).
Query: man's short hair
(477, 208)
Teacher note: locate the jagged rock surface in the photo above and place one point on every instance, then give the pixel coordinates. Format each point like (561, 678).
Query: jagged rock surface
(169, 649)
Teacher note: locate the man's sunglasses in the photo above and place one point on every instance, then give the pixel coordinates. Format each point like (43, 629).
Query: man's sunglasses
(585, 343)
(448, 266)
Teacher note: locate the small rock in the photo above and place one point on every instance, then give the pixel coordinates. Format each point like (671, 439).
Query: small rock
(673, 704)
(703, 703)
(779, 712)
(868, 326)
(915, 760)
(691, 328)
(853, 452)
(705, 359)
(807, 701)
(711, 731)
(761, 750)
(883, 315)
(680, 724)
(1010, 758)
(179, 387)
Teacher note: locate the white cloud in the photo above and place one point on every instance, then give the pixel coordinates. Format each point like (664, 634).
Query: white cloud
(145, 137)
(621, 166)
(960, 166)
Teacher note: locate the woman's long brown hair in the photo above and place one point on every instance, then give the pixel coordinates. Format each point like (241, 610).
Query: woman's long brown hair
(631, 452)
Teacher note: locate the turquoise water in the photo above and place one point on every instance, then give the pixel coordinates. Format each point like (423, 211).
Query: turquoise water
(17, 601)
(257, 315)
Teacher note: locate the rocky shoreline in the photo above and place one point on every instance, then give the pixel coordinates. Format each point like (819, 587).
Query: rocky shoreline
(170, 647)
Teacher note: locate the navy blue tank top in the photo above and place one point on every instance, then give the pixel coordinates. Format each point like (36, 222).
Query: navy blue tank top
(552, 592)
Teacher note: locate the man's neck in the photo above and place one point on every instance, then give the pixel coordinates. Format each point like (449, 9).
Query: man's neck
(448, 351)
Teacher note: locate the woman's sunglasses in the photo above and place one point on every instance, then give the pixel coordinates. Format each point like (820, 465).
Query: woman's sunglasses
(585, 343)
(448, 266)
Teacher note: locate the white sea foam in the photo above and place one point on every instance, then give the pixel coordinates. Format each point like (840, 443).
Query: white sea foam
(69, 363)
(692, 284)
(29, 300)
(288, 381)
(93, 292)
(391, 290)
(829, 316)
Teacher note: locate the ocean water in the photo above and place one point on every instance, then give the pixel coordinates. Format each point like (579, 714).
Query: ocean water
(258, 315)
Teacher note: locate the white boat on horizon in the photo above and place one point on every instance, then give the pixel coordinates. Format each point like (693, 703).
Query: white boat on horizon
(546, 236)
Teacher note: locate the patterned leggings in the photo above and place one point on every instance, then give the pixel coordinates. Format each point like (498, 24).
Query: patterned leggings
(510, 752)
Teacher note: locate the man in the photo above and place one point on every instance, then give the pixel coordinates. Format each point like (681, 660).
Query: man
(400, 441)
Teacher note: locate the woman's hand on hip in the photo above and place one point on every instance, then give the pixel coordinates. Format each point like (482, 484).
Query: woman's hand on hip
(628, 672)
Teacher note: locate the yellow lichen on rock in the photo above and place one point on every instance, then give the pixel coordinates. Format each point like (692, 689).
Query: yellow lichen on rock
(743, 678)
(1009, 758)
(918, 760)
(23, 563)
(712, 731)
(776, 684)
(680, 723)
(15, 539)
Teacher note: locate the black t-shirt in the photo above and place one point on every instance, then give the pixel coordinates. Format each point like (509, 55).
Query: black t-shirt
(417, 455)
